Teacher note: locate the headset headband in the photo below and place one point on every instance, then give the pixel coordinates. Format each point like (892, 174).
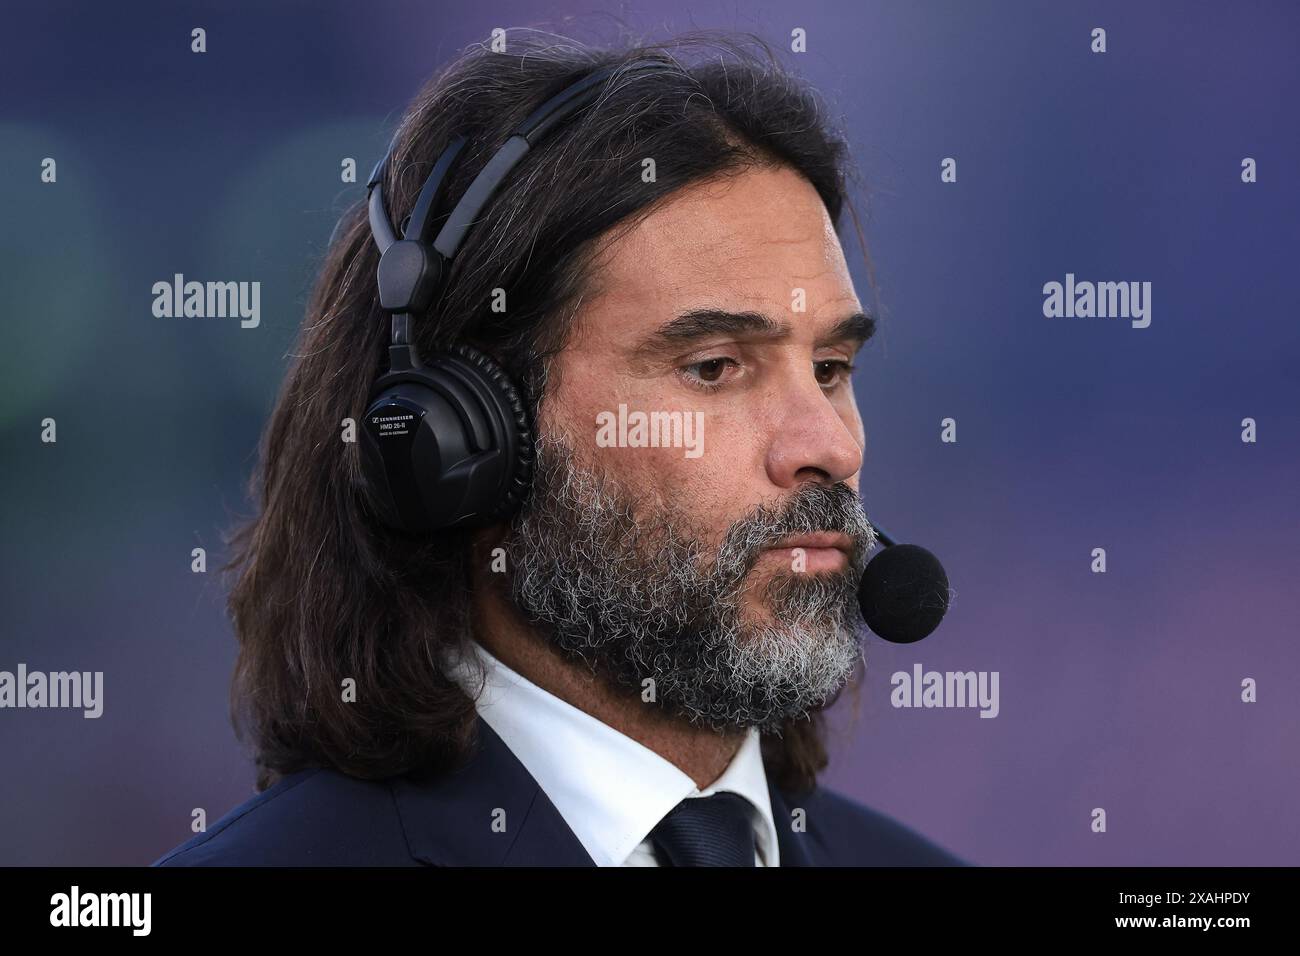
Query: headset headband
(476, 196)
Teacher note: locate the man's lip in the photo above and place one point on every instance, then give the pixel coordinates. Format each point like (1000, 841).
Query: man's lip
(822, 539)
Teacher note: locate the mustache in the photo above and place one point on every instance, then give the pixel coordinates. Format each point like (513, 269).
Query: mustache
(813, 508)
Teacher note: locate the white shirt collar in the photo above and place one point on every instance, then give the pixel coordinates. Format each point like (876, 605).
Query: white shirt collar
(610, 789)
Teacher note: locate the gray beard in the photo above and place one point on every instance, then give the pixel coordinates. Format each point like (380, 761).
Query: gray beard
(628, 587)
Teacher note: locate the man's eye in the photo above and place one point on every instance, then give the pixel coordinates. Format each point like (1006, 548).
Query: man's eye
(832, 371)
(709, 372)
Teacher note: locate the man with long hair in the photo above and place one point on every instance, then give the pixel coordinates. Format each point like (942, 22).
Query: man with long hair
(631, 668)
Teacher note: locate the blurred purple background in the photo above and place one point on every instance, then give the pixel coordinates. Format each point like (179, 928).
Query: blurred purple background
(1117, 690)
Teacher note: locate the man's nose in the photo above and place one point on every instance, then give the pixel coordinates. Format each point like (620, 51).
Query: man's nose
(812, 442)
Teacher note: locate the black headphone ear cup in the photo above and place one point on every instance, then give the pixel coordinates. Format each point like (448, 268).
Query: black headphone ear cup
(447, 444)
(516, 413)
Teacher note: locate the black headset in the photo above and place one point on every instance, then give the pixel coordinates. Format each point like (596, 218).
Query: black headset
(447, 442)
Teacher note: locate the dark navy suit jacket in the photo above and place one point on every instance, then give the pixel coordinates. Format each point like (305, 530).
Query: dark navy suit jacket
(321, 817)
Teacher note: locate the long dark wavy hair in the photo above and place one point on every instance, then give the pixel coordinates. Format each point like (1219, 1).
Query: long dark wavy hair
(321, 590)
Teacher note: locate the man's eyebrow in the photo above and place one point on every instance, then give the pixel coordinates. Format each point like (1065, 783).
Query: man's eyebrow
(857, 328)
(703, 323)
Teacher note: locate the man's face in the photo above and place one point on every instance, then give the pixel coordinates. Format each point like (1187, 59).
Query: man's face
(722, 564)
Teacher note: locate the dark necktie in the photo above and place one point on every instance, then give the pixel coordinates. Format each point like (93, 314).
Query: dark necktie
(706, 831)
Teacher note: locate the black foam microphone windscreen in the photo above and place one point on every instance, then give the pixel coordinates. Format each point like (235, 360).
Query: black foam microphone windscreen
(903, 593)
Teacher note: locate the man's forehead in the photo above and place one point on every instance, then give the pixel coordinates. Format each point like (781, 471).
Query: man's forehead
(700, 225)
(742, 244)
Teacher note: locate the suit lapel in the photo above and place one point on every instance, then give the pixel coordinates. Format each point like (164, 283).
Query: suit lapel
(793, 846)
(448, 818)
